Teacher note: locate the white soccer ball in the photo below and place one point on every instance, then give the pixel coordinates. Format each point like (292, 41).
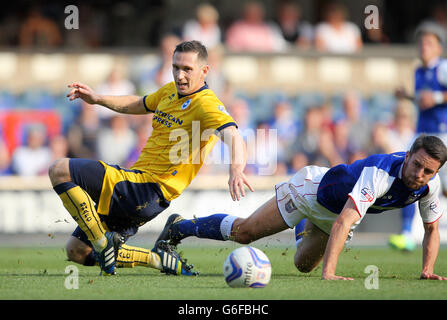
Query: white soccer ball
(247, 267)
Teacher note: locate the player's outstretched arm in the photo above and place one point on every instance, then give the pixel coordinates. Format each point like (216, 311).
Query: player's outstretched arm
(339, 233)
(232, 138)
(430, 249)
(122, 104)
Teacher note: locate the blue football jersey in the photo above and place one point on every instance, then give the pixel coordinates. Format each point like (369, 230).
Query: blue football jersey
(375, 185)
(432, 78)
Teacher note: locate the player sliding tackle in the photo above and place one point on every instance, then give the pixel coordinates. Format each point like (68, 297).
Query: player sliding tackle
(128, 198)
(334, 201)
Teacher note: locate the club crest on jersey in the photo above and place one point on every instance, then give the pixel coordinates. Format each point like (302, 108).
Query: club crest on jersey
(367, 195)
(186, 104)
(290, 206)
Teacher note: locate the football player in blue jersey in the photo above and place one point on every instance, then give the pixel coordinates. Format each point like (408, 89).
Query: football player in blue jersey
(430, 97)
(334, 201)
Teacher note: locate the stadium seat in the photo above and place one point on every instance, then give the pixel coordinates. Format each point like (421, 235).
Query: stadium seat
(37, 98)
(381, 106)
(68, 110)
(264, 105)
(7, 100)
(304, 100)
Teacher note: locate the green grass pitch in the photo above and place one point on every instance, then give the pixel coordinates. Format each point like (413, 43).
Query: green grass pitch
(39, 273)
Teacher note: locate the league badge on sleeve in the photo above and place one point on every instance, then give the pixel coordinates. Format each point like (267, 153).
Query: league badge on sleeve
(367, 195)
(434, 207)
(222, 109)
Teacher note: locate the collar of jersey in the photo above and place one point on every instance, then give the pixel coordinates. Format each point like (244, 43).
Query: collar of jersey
(432, 64)
(202, 88)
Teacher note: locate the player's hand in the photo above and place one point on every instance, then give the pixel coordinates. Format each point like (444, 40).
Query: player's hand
(401, 93)
(236, 184)
(334, 277)
(431, 276)
(426, 100)
(80, 90)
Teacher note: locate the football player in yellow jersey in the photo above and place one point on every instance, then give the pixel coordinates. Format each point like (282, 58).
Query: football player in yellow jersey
(109, 203)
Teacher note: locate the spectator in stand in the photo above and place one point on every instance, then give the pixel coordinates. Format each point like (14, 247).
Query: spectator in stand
(241, 113)
(263, 154)
(143, 132)
(162, 74)
(379, 136)
(308, 141)
(295, 31)
(328, 149)
(116, 84)
(342, 144)
(400, 134)
(253, 33)
(216, 79)
(58, 147)
(92, 31)
(34, 158)
(205, 27)
(5, 159)
(335, 34)
(120, 136)
(82, 135)
(299, 161)
(359, 128)
(39, 31)
(439, 15)
(376, 36)
(287, 128)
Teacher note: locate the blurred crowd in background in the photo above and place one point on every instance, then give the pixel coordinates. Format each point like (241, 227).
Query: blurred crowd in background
(273, 25)
(310, 130)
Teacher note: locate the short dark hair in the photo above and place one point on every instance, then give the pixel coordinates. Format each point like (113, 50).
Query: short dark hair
(193, 46)
(434, 147)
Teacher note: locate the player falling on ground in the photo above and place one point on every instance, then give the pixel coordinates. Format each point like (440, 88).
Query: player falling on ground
(334, 201)
(126, 199)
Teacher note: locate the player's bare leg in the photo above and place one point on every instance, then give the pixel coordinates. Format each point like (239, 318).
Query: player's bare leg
(310, 250)
(265, 221)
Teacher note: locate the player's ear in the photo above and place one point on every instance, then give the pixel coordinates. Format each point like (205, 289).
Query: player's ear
(205, 69)
(407, 155)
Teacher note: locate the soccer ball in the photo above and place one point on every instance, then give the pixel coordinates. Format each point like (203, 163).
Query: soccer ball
(247, 267)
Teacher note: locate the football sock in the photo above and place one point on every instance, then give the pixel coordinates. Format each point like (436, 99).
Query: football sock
(129, 257)
(80, 206)
(212, 227)
(407, 218)
(299, 230)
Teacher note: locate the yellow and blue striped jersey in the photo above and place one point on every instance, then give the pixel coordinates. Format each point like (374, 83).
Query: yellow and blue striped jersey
(175, 152)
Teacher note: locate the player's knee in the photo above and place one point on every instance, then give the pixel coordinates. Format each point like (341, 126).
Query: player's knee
(59, 171)
(241, 233)
(303, 268)
(243, 238)
(75, 253)
(301, 264)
